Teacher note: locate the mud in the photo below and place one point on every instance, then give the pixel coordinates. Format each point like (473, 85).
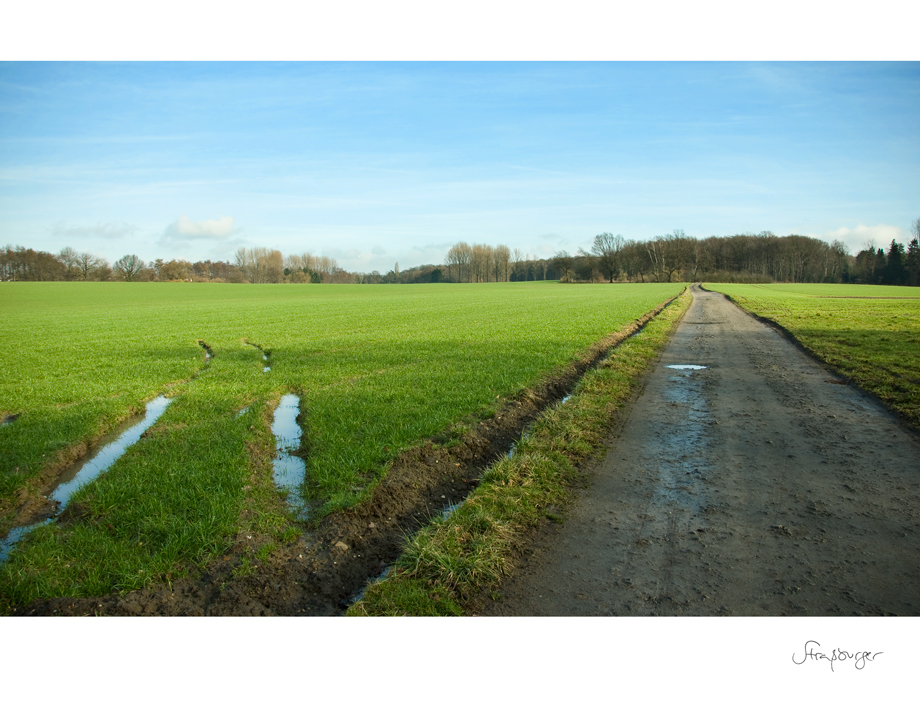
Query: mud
(322, 573)
(763, 485)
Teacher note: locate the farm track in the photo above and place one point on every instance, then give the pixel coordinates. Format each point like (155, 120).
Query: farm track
(322, 573)
(762, 485)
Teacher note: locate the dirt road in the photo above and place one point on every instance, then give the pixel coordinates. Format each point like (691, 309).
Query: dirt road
(759, 485)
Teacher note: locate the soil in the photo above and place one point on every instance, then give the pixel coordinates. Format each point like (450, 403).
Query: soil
(322, 573)
(762, 485)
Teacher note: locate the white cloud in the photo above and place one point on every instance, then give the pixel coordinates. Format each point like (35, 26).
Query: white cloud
(205, 229)
(100, 230)
(859, 237)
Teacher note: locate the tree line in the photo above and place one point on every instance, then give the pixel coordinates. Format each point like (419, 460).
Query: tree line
(760, 258)
(258, 265)
(672, 257)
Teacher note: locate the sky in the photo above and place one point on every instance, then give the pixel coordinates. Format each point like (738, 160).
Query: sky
(377, 163)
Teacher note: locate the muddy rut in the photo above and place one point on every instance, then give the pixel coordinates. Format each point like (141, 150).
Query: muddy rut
(760, 485)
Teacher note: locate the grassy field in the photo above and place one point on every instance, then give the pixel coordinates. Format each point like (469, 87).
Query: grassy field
(868, 333)
(378, 369)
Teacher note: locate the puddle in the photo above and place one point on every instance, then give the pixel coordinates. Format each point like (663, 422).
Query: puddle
(265, 355)
(375, 579)
(88, 469)
(445, 513)
(14, 536)
(690, 367)
(289, 471)
(683, 467)
(116, 443)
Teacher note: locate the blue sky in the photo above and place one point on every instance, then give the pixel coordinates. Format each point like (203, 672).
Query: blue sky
(374, 163)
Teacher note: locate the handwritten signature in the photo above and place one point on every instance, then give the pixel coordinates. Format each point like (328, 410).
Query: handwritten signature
(859, 658)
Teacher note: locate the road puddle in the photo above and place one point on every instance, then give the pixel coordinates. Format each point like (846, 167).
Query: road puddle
(683, 467)
(288, 470)
(687, 367)
(89, 468)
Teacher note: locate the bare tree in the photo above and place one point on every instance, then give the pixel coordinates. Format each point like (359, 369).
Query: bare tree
(128, 268)
(88, 265)
(501, 263)
(606, 249)
(459, 259)
(517, 259)
(68, 257)
(563, 262)
(481, 264)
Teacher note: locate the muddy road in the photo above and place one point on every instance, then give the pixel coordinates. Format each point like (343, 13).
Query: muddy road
(760, 485)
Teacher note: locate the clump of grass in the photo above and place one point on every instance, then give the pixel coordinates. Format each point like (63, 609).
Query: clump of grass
(452, 561)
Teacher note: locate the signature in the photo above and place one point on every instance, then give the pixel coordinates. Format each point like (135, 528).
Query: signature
(859, 658)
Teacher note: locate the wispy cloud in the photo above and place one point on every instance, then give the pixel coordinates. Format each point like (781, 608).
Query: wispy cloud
(100, 230)
(185, 228)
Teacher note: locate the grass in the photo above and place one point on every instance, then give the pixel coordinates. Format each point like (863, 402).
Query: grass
(378, 369)
(450, 564)
(870, 334)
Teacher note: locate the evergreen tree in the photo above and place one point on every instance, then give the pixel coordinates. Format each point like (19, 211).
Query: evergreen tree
(894, 269)
(912, 263)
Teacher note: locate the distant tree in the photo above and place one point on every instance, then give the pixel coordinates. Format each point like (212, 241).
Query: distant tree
(606, 249)
(68, 257)
(458, 260)
(481, 263)
(517, 261)
(895, 271)
(881, 263)
(912, 260)
(89, 266)
(501, 263)
(18, 264)
(562, 263)
(175, 270)
(129, 268)
(665, 255)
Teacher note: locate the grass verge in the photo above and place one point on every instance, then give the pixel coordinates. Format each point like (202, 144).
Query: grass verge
(449, 563)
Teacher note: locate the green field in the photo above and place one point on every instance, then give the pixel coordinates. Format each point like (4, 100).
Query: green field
(868, 333)
(378, 369)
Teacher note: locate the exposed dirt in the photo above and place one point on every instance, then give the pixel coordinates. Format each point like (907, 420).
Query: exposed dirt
(762, 485)
(322, 573)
